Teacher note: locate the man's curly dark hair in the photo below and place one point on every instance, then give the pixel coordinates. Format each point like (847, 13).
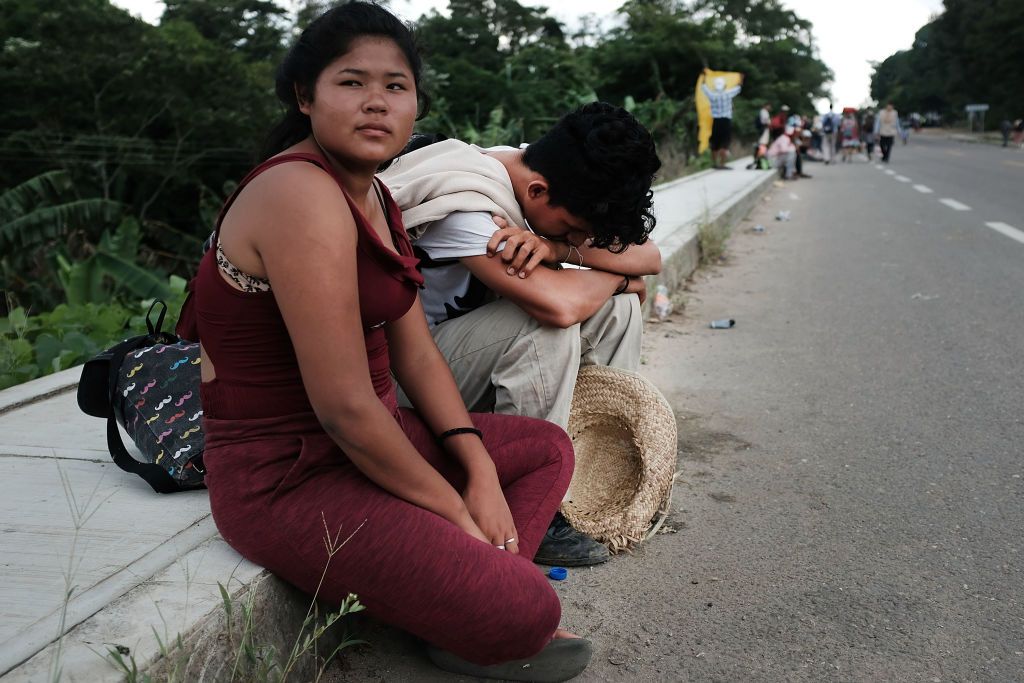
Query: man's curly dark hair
(599, 162)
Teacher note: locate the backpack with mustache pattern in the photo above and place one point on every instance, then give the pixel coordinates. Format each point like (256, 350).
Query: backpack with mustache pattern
(149, 385)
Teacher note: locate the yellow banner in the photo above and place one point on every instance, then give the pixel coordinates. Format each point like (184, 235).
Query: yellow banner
(732, 79)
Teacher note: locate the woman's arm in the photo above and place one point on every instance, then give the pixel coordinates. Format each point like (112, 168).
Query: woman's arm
(424, 375)
(305, 235)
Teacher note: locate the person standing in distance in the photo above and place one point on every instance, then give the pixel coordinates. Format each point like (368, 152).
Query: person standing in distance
(887, 126)
(721, 115)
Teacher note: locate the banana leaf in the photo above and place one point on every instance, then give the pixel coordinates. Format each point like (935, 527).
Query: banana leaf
(127, 275)
(47, 222)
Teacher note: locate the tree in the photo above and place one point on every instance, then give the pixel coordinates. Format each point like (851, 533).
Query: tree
(254, 28)
(499, 55)
(972, 52)
(148, 117)
(663, 45)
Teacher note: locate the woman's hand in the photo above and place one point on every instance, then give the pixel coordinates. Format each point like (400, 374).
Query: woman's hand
(486, 504)
(469, 525)
(524, 250)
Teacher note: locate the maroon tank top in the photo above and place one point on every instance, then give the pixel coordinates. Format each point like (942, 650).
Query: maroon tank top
(245, 337)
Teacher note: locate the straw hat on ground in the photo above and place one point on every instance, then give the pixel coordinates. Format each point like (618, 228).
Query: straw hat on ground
(624, 435)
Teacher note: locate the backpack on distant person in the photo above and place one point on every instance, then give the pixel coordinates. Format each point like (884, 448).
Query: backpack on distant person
(828, 124)
(149, 384)
(758, 123)
(849, 128)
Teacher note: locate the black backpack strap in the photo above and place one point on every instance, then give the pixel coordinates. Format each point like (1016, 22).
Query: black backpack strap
(155, 475)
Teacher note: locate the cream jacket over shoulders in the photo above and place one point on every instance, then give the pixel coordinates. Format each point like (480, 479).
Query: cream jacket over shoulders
(439, 179)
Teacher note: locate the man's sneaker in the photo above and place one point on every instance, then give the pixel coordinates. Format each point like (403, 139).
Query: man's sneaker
(563, 546)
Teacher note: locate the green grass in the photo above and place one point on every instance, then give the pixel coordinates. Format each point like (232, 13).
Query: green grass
(252, 660)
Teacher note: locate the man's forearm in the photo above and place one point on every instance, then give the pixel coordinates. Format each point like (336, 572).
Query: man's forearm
(582, 293)
(637, 260)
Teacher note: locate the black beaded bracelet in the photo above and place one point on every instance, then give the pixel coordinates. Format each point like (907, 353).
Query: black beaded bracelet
(460, 430)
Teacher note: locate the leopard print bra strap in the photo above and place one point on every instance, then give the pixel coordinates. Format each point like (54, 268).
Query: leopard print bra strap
(248, 283)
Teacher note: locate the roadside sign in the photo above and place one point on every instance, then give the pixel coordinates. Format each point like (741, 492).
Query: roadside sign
(973, 110)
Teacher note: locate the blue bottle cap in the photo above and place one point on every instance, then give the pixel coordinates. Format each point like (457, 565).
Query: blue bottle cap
(558, 573)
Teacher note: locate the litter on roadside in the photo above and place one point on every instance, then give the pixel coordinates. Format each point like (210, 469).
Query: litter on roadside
(558, 573)
(759, 229)
(723, 324)
(662, 304)
(782, 216)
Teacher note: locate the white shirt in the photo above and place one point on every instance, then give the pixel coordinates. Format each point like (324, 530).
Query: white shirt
(721, 100)
(449, 288)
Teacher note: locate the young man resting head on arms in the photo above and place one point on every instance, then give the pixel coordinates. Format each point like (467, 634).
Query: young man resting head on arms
(515, 335)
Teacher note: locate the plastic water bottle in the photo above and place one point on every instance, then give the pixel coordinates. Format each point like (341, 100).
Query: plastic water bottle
(662, 304)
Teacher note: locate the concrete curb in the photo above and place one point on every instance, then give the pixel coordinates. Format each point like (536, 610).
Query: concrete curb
(183, 600)
(39, 389)
(680, 247)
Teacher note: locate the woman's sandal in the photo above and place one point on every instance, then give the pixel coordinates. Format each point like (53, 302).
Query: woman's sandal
(560, 660)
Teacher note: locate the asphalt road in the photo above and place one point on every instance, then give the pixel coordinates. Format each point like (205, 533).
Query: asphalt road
(850, 500)
(872, 530)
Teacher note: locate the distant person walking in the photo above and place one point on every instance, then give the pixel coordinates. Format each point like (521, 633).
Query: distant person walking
(1005, 127)
(887, 125)
(849, 134)
(721, 115)
(868, 136)
(829, 124)
(763, 126)
(1018, 132)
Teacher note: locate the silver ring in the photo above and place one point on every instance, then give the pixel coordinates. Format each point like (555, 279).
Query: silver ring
(511, 540)
(500, 547)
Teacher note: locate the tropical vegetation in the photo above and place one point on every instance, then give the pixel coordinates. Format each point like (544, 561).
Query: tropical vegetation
(970, 53)
(121, 139)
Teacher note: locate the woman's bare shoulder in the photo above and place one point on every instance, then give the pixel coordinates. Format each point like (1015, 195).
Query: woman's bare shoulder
(292, 182)
(298, 193)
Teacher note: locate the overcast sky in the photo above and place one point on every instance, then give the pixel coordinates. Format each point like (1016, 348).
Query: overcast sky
(849, 35)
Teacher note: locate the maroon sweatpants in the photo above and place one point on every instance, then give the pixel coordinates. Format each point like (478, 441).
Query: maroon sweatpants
(274, 482)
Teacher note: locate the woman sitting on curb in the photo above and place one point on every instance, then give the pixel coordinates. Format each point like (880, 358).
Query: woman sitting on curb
(304, 308)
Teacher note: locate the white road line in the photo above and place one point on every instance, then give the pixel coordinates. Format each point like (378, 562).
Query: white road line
(890, 172)
(879, 167)
(903, 179)
(954, 204)
(923, 189)
(1008, 230)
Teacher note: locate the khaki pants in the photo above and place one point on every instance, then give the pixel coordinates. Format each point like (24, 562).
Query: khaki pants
(828, 147)
(506, 362)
